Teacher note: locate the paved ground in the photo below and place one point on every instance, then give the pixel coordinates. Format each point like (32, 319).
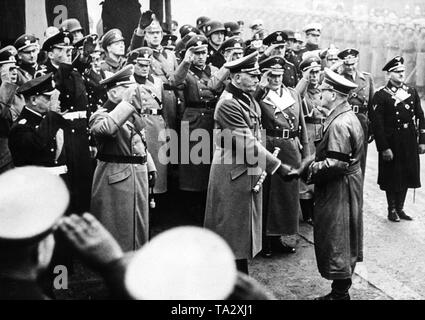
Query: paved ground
(394, 266)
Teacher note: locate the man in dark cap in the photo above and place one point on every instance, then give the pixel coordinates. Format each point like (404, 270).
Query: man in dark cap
(202, 85)
(215, 32)
(293, 48)
(74, 27)
(313, 33)
(338, 178)
(28, 51)
(232, 48)
(361, 98)
(74, 103)
(277, 42)
(233, 210)
(125, 169)
(315, 115)
(114, 46)
(399, 128)
(283, 119)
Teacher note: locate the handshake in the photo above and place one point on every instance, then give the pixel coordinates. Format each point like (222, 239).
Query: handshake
(288, 173)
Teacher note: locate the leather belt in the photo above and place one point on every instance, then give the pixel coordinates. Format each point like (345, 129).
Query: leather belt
(57, 171)
(315, 120)
(284, 134)
(359, 109)
(202, 104)
(122, 159)
(75, 115)
(168, 87)
(153, 112)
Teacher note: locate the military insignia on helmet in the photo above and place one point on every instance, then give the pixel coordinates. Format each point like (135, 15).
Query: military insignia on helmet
(28, 42)
(228, 29)
(209, 28)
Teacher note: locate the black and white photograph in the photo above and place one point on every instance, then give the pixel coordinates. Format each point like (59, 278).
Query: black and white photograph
(233, 151)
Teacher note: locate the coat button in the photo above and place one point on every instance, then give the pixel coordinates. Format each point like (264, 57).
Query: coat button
(73, 131)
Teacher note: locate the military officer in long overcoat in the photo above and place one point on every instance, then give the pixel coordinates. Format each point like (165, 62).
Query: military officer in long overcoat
(360, 99)
(336, 172)
(282, 118)
(125, 169)
(233, 210)
(399, 128)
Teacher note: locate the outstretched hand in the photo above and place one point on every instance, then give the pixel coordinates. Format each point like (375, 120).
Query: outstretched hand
(91, 240)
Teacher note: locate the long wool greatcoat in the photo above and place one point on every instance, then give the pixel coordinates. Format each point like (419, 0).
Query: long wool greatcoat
(233, 210)
(393, 125)
(281, 198)
(200, 87)
(338, 217)
(120, 193)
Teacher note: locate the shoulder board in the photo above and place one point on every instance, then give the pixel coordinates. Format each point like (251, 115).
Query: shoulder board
(226, 96)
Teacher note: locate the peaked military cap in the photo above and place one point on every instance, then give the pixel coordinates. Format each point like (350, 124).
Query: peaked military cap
(209, 272)
(336, 82)
(248, 64)
(38, 86)
(256, 23)
(25, 41)
(274, 64)
(112, 36)
(169, 41)
(395, 64)
(7, 56)
(233, 43)
(331, 51)
(350, 56)
(277, 37)
(232, 29)
(198, 43)
(71, 25)
(155, 26)
(186, 29)
(141, 55)
(312, 62)
(313, 27)
(32, 202)
(63, 39)
(213, 26)
(123, 77)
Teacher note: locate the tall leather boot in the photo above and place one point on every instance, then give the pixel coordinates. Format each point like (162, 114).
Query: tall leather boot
(400, 199)
(307, 210)
(392, 211)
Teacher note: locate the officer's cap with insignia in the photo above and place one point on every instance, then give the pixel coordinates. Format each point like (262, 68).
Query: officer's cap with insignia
(197, 43)
(63, 39)
(112, 36)
(124, 77)
(290, 34)
(277, 37)
(274, 65)
(213, 26)
(141, 55)
(207, 271)
(232, 29)
(25, 41)
(186, 29)
(336, 82)
(248, 64)
(331, 51)
(32, 202)
(313, 28)
(395, 64)
(169, 41)
(312, 62)
(44, 85)
(7, 56)
(349, 56)
(233, 43)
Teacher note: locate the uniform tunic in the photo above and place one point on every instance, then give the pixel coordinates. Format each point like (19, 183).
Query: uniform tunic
(201, 91)
(151, 93)
(28, 72)
(360, 99)
(282, 198)
(6, 162)
(338, 217)
(393, 123)
(233, 210)
(120, 190)
(112, 66)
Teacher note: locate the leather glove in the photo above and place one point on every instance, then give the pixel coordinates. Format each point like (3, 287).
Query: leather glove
(153, 175)
(387, 155)
(89, 45)
(287, 173)
(146, 19)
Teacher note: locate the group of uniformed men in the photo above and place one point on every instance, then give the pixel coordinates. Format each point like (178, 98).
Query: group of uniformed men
(75, 99)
